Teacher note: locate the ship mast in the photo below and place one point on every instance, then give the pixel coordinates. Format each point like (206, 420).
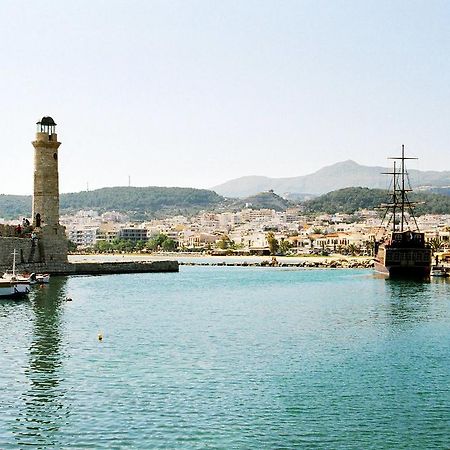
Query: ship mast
(402, 191)
(394, 198)
(403, 188)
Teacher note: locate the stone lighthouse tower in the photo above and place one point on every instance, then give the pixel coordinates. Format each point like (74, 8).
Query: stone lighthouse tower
(52, 243)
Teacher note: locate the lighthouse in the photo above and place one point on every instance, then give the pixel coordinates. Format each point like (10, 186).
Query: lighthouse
(46, 186)
(45, 210)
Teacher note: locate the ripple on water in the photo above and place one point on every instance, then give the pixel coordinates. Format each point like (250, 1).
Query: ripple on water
(227, 358)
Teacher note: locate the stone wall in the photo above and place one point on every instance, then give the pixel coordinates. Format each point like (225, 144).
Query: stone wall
(124, 267)
(60, 268)
(53, 243)
(13, 231)
(48, 246)
(26, 251)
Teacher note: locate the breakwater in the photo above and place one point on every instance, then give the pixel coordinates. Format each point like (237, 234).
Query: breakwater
(96, 268)
(320, 264)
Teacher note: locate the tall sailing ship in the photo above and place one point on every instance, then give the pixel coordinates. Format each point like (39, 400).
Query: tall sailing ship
(402, 252)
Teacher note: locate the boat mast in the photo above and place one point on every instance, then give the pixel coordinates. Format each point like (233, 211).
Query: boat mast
(394, 198)
(403, 188)
(402, 199)
(14, 264)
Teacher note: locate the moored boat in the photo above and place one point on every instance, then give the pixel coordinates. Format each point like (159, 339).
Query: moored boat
(26, 278)
(42, 278)
(440, 271)
(403, 252)
(12, 290)
(12, 285)
(19, 278)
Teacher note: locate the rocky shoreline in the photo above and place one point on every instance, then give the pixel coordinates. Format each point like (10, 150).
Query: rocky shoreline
(323, 264)
(320, 262)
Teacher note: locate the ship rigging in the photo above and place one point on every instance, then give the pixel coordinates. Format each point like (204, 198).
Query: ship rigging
(403, 252)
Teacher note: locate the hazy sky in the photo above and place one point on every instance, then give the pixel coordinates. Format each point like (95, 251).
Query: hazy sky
(194, 93)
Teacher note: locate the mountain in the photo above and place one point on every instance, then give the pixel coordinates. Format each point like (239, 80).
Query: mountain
(142, 202)
(337, 176)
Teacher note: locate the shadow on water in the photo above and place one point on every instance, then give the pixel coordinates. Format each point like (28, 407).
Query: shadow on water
(44, 409)
(409, 300)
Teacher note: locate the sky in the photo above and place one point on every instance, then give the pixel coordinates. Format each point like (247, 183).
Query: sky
(194, 93)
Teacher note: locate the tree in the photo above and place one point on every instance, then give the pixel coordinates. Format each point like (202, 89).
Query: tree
(156, 242)
(71, 246)
(139, 245)
(169, 245)
(285, 246)
(161, 242)
(436, 244)
(353, 249)
(273, 243)
(224, 242)
(102, 246)
(370, 247)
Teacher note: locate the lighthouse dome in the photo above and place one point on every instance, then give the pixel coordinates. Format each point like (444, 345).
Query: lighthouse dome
(47, 120)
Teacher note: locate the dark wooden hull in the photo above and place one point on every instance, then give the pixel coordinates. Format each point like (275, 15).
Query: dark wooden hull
(414, 263)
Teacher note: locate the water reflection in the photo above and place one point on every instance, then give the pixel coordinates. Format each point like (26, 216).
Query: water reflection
(44, 410)
(409, 300)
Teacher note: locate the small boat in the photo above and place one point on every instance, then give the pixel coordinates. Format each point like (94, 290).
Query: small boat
(404, 252)
(19, 279)
(439, 271)
(13, 286)
(42, 278)
(12, 290)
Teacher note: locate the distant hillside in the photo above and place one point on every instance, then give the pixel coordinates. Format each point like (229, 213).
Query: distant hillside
(350, 200)
(264, 200)
(441, 190)
(149, 202)
(14, 206)
(142, 201)
(330, 178)
(150, 199)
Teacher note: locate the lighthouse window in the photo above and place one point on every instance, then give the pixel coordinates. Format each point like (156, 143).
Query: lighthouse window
(55, 156)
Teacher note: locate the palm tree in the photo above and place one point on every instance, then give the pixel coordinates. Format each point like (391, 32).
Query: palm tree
(273, 243)
(436, 244)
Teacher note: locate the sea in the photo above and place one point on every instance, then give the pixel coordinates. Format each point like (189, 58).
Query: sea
(227, 358)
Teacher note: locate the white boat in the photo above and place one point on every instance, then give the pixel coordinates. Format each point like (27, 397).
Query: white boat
(42, 278)
(32, 278)
(12, 285)
(21, 279)
(439, 271)
(10, 289)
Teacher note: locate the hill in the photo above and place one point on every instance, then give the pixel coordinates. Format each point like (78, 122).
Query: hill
(350, 200)
(140, 201)
(327, 179)
(150, 202)
(14, 206)
(263, 200)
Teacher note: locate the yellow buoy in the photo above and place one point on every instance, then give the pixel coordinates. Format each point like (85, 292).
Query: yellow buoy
(100, 336)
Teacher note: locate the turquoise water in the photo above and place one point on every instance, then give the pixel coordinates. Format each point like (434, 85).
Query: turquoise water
(227, 357)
